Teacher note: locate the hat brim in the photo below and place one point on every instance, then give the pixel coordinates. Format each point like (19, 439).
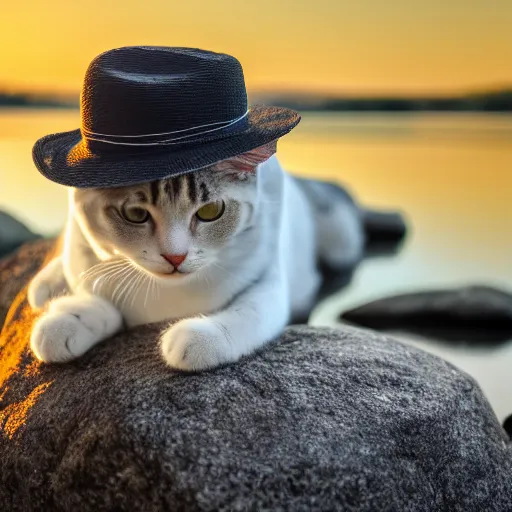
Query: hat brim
(66, 158)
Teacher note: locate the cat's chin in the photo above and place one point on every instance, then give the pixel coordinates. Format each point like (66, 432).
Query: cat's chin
(171, 275)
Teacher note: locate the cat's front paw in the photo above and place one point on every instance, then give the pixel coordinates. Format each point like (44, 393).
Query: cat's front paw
(72, 326)
(196, 344)
(39, 293)
(57, 338)
(48, 283)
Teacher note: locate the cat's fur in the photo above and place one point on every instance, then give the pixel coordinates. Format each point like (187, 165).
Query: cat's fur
(249, 272)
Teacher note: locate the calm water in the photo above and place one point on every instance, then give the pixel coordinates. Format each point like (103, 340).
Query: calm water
(450, 174)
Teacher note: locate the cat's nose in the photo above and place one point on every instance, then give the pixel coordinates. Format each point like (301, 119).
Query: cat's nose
(175, 259)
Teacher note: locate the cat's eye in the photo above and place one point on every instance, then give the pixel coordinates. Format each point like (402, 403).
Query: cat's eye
(135, 214)
(211, 211)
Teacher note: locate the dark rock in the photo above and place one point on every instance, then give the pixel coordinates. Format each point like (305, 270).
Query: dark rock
(384, 231)
(507, 425)
(322, 419)
(477, 314)
(12, 234)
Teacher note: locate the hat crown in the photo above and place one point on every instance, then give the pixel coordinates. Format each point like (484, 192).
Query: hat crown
(142, 90)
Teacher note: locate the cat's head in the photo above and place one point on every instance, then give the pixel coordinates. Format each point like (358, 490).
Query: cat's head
(176, 226)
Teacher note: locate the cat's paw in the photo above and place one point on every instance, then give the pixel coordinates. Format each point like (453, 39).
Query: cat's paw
(48, 283)
(39, 293)
(196, 344)
(72, 326)
(57, 338)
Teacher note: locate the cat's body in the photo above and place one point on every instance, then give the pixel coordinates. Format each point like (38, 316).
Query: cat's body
(246, 275)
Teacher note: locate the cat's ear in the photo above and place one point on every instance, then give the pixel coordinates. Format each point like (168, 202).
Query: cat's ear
(247, 162)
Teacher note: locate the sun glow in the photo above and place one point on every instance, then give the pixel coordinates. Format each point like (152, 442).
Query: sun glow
(325, 46)
(14, 416)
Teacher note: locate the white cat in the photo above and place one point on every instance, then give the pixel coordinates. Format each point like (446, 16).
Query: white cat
(228, 254)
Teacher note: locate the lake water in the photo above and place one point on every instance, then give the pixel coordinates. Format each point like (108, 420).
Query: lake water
(450, 174)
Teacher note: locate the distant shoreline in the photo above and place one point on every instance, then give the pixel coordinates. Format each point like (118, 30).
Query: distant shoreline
(495, 101)
(21, 100)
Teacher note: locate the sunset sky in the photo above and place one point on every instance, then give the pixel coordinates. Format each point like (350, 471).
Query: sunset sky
(330, 46)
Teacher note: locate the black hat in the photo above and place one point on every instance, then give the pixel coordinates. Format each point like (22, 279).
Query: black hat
(154, 112)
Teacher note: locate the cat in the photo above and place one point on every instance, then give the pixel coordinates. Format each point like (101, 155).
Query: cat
(227, 254)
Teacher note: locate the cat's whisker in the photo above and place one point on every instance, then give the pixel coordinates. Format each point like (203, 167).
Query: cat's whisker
(146, 297)
(100, 267)
(144, 276)
(120, 287)
(99, 281)
(132, 288)
(129, 281)
(103, 264)
(120, 280)
(106, 271)
(98, 276)
(154, 287)
(135, 286)
(91, 270)
(150, 287)
(125, 291)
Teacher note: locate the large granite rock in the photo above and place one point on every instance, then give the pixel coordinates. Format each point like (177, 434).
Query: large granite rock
(322, 419)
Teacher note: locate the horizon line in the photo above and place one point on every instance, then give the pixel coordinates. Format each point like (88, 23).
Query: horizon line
(290, 93)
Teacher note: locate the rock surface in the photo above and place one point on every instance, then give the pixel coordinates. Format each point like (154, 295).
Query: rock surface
(322, 419)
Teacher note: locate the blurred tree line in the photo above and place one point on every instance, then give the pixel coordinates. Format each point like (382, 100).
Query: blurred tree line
(9, 99)
(496, 101)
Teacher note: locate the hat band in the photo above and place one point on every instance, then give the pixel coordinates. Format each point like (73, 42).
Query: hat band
(134, 140)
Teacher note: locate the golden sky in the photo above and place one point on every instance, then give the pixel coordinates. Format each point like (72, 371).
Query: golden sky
(333, 46)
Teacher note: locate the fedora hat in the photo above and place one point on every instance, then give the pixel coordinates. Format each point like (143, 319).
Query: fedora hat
(149, 113)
